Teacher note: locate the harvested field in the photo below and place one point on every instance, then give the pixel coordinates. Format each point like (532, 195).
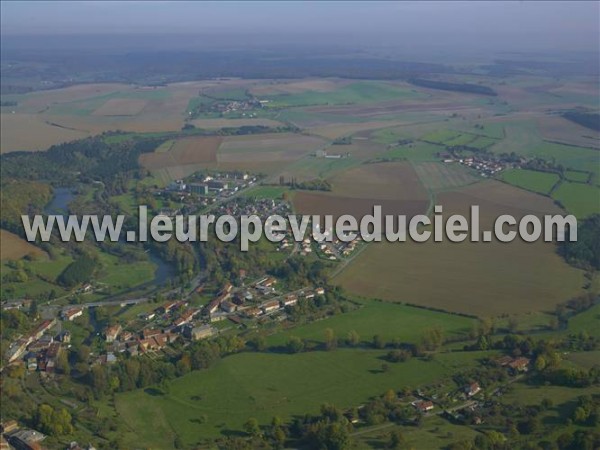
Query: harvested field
(29, 132)
(559, 129)
(210, 124)
(295, 87)
(439, 176)
(267, 147)
(121, 107)
(184, 157)
(485, 279)
(389, 181)
(12, 247)
(335, 205)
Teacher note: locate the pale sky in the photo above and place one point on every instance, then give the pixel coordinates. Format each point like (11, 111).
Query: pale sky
(529, 24)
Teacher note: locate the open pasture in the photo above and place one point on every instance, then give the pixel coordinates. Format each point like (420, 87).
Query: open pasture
(13, 247)
(579, 199)
(388, 320)
(219, 400)
(484, 279)
(532, 180)
(577, 176)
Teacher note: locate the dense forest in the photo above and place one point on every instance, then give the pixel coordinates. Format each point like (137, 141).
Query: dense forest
(585, 119)
(585, 252)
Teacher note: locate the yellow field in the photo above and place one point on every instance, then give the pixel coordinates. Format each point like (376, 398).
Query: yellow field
(121, 107)
(29, 132)
(12, 247)
(485, 279)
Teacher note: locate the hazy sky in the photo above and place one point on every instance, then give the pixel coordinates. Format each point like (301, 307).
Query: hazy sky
(526, 24)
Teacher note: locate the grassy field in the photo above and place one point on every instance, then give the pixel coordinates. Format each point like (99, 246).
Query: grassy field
(262, 385)
(118, 279)
(390, 321)
(355, 93)
(586, 321)
(579, 199)
(540, 182)
(576, 176)
(485, 279)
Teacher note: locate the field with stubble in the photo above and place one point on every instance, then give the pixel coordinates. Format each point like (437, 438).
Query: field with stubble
(485, 279)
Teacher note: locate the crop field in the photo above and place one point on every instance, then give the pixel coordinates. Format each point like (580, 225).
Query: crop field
(579, 199)
(262, 385)
(44, 118)
(324, 204)
(458, 276)
(541, 182)
(121, 107)
(388, 320)
(355, 93)
(393, 186)
(267, 147)
(30, 132)
(559, 129)
(14, 247)
(183, 158)
(210, 124)
(299, 86)
(438, 176)
(390, 181)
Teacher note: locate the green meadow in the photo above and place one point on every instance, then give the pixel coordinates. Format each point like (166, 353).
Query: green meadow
(532, 180)
(579, 199)
(216, 401)
(388, 320)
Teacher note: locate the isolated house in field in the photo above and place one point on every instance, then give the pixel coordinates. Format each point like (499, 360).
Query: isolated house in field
(424, 406)
(520, 364)
(472, 389)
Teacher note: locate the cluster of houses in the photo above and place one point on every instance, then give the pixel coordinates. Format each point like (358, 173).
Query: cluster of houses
(262, 208)
(16, 437)
(34, 342)
(204, 189)
(485, 167)
(246, 302)
(229, 106)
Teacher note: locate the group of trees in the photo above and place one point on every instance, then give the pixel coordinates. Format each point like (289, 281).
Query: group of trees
(79, 271)
(585, 252)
